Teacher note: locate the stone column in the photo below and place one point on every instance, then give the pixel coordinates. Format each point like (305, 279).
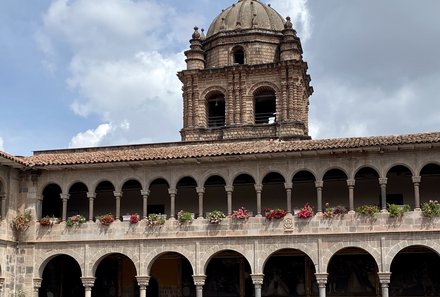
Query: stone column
(258, 189)
(384, 280)
(200, 192)
(199, 282)
(416, 181)
(289, 187)
(173, 193)
(321, 279)
(145, 194)
(37, 285)
(39, 206)
(2, 284)
(91, 197)
(257, 280)
(143, 284)
(383, 193)
(118, 196)
(229, 190)
(64, 197)
(319, 185)
(350, 184)
(3, 206)
(88, 285)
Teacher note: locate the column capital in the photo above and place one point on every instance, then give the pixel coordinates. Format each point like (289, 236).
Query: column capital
(258, 187)
(145, 192)
(288, 186)
(416, 179)
(257, 279)
(321, 279)
(143, 280)
(91, 195)
(117, 194)
(351, 182)
(200, 190)
(384, 277)
(383, 180)
(172, 191)
(199, 280)
(37, 283)
(229, 188)
(64, 196)
(319, 184)
(88, 282)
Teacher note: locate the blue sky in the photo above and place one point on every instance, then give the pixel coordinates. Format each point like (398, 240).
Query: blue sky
(78, 73)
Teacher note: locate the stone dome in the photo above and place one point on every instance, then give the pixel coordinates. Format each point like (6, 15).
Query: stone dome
(247, 14)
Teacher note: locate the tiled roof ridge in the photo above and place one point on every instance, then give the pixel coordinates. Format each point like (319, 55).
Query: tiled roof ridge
(183, 150)
(19, 160)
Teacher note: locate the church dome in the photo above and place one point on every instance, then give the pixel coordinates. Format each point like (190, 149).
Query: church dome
(247, 14)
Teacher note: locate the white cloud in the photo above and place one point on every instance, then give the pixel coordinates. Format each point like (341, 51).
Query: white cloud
(2, 143)
(299, 12)
(123, 61)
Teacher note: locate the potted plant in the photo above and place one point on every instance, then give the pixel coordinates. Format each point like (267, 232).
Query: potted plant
(216, 216)
(431, 209)
(22, 221)
(276, 214)
(240, 214)
(45, 221)
(106, 219)
(397, 210)
(185, 217)
(134, 218)
(155, 219)
(336, 211)
(368, 210)
(75, 220)
(305, 212)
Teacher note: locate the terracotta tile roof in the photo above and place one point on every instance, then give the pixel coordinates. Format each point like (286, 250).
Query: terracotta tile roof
(183, 150)
(10, 158)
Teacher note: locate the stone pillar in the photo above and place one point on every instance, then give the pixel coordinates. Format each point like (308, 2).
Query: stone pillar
(229, 190)
(118, 196)
(321, 279)
(257, 280)
(199, 282)
(383, 193)
(91, 197)
(145, 194)
(173, 193)
(416, 181)
(88, 285)
(37, 285)
(64, 197)
(39, 206)
(289, 187)
(258, 189)
(143, 284)
(350, 184)
(319, 185)
(200, 192)
(2, 284)
(3, 205)
(384, 280)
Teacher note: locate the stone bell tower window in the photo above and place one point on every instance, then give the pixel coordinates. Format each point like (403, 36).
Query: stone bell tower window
(216, 110)
(238, 55)
(265, 107)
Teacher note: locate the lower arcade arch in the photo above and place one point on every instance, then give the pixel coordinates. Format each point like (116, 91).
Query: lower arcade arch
(352, 272)
(115, 276)
(228, 273)
(415, 271)
(61, 278)
(171, 275)
(289, 272)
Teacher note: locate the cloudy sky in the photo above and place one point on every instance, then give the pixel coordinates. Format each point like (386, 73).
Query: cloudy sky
(77, 73)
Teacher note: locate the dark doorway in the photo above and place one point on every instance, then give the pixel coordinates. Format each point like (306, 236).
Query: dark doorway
(52, 203)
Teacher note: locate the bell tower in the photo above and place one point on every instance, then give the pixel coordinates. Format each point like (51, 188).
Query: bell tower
(246, 78)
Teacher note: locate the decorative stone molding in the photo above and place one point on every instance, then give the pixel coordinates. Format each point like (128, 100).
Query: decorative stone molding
(145, 192)
(200, 189)
(37, 283)
(351, 182)
(88, 282)
(383, 180)
(321, 279)
(257, 279)
(143, 281)
(199, 280)
(384, 278)
(91, 195)
(2, 283)
(416, 179)
(288, 223)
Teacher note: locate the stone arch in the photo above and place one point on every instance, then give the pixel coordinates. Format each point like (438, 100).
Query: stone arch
(392, 165)
(74, 182)
(48, 255)
(371, 166)
(210, 174)
(393, 251)
(265, 173)
(122, 182)
(102, 254)
(330, 252)
(157, 256)
(96, 183)
(426, 163)
(213, 250)
(154, 178)
(208, 91)
(238, 173)
(161, 250)
(263, 84)
(271, 249)
(182, 176)
(325, 171)
(237, 54)
(303, 170)
(48, 183)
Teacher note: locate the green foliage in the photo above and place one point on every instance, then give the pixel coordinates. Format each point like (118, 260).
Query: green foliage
(155, 219)
(431, 209)
(370, 211)
(184, 217)
(22, 221)
(398, 210)
(216, 216)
